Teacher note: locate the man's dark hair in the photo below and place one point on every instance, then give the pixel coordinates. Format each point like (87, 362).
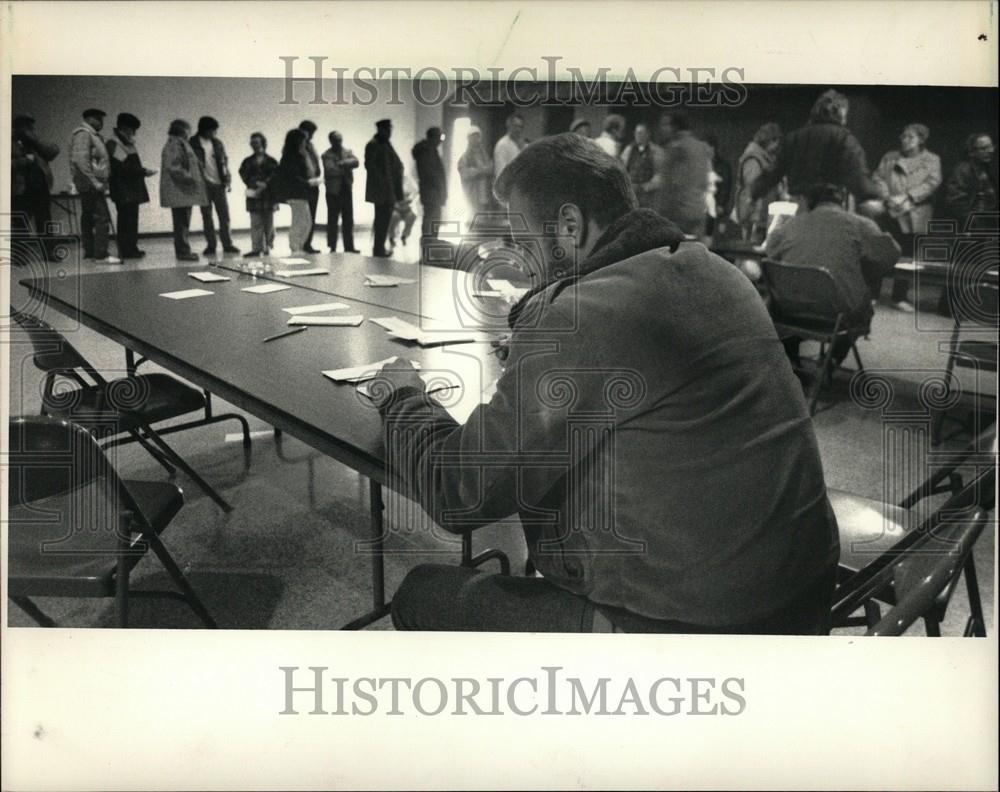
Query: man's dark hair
(433, 132)
(567, 168)
(207, 124)
(827, 107)
(512, 118)
(179, 127)
(22, 121)
(308, 127)
(263, 138)
(971, 140)
(293, 140)
(825, 193)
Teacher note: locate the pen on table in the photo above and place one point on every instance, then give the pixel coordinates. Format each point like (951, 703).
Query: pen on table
(293, 331)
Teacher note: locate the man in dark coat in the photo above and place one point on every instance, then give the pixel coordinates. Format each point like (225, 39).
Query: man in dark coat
(431, 180)
(31, 176)
(384, 183)
(313, 166)
(128, 184)
(647, 429)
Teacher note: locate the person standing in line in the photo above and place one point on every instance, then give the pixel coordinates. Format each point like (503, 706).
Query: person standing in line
(257, 171)
(313, 165)
(91, 171)
(475, 168)
(128, 184)
(644, 163)
(510, 145)
(383, 183)
(757, 158)
(293, 184)
(610, 140)
(218, 181)
(338, 172)
(687, 169)
(431, 179)
(182, 185)
(31, 177)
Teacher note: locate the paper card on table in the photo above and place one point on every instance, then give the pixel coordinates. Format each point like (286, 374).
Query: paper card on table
(352, 320)
(315, 309)
(293, 273)
(506, 288)
(207, 277)
(294, 261)
(185, 293)
(363, 372)
(386, 280)
(266, 288)
(485, 294)
(424, 336)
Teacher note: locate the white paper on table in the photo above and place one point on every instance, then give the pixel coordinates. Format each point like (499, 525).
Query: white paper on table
(186, 293)
(207, 277)
(285, 273)
(266, 288)
(351, 320)
(363, 372)
(410, 332)
(294, 261)
(485, 294)
(386, 280)
(314, 309)
(506, 288)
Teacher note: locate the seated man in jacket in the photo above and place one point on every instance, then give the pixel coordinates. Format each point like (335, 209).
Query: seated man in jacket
(648, 431)
(856, 252)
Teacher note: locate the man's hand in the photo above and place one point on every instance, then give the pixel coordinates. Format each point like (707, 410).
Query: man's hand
(394, 376)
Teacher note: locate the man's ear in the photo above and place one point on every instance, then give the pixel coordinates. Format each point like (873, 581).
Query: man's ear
(571, 222)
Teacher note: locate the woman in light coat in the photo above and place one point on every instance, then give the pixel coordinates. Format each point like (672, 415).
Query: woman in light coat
(182, 185)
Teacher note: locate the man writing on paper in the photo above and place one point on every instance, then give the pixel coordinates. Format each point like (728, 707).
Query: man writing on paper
(648, 430)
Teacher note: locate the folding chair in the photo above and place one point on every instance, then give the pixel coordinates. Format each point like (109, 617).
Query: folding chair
(121, 410)
(974, 353)
(75, 528)
(884, 557)
(806, 303)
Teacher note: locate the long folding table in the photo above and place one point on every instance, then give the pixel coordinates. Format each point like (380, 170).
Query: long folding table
(216, 342)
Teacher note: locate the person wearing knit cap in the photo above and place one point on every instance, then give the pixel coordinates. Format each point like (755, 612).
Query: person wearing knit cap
(128, 184)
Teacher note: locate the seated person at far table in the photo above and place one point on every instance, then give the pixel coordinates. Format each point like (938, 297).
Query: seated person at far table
(648, 431)
(854, 249)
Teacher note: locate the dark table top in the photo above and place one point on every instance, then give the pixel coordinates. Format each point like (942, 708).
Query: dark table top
(216, 342)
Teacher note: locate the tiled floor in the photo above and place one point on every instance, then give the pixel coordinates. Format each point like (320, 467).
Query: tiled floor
(286, 557)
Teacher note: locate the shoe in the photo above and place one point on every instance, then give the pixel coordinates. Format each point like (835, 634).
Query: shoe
(351, 250)
(402, 240)
(230, 249)
(139, 252)
(253, 254)
(311, 249)
(380, 254)
(188, 257)
(903, 306)
(209, 251)
(132, 255)
(108, 260)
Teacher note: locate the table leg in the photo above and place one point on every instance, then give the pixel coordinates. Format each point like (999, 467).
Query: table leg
(380, 608)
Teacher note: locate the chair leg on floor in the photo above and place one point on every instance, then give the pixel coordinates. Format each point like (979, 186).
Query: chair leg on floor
(873, 613)
(180, 463)
(121, 591)
(171, 470)
(181, 581)
(820, 377)
(976, 619)
(33, 611)
(933, 627)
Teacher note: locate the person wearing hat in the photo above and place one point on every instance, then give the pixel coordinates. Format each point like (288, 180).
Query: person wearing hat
(475, 167)
(431, 179)
(383, 183)
(581, 126)
(128, 184)
(31, 176)
(91, 170)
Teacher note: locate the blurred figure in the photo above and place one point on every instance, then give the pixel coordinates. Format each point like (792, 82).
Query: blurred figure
(907, 180)
(338, 171)
(257, 171)
(757, 159)
(402, 213)
(182, 185)
(476, 171)
(91, 171)
(644, 161)
(972, 185)
(510, 145)
(218, 181)
(31, 177)
(384, 183)
(610, 139)
(720, 188)
(822, 152)
(315, 174)
(432, 182)
(292, 184)
(688, 164)
(128, 184)
(580, 126)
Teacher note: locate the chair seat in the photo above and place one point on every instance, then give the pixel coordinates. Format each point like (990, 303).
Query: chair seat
(867, 528)
(816, 329)
(123, 404)
(67, 545)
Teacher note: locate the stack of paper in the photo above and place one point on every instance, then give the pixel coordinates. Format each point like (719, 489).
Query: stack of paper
(364, 372)
(186, 293)
(266, 288)
(208, 277)
(293, 261)
(423, 336)
(506, 288)
(352, 320)
(314, 309)
(386, 280)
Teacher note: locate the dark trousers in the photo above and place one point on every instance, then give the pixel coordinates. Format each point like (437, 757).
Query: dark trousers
(380, 228)
(37, 208)
(340, 206)
(95, 224)
(428, 226)
(313, 205)
(182, 224)
(128, 228)
(454, 598)
(216, 198)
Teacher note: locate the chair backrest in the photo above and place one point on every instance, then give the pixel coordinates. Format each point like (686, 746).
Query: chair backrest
(807, 293)
(53, 353)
